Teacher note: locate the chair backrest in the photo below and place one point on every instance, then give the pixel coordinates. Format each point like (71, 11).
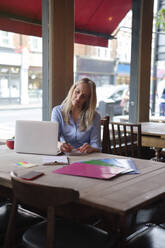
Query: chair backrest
(39, 197)
(126, 139)
(105, 135)
(36, 195)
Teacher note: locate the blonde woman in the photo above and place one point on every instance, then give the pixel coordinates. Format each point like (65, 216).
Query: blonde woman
(79, 123)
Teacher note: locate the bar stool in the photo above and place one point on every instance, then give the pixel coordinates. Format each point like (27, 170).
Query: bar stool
(24, 220)
(149, 236)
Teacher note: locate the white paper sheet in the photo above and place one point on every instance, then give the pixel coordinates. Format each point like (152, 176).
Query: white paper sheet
(55, 160)
(75, 152)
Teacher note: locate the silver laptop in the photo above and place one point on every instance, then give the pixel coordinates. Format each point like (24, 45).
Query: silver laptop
(39, 137)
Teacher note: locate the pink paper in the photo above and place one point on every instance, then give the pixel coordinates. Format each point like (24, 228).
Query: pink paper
(89, 170)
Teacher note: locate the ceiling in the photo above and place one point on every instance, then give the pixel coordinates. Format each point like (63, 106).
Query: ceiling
(95, 20)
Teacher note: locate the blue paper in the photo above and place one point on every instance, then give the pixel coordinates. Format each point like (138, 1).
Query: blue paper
(126, 163)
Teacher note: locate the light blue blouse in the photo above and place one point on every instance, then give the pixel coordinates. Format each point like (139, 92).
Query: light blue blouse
(71, 134)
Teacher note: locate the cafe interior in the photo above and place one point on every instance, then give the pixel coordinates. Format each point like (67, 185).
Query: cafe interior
(60, 210)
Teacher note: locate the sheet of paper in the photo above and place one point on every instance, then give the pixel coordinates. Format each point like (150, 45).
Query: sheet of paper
(125, 163)
(75, 152)
(90, 170)
(55, 159)
(128, 164)
(26, 164)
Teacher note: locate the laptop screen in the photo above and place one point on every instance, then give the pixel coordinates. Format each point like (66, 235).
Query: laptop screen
(38, 137)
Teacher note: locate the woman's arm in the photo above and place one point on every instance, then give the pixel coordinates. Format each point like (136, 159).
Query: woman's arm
(57, 116)
(86, 148)
(95, 137)
(64, 147)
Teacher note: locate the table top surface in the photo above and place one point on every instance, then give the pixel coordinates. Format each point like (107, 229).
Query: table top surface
(120, 194)
(153, 128)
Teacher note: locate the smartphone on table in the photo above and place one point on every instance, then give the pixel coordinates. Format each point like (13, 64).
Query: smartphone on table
(31, 175)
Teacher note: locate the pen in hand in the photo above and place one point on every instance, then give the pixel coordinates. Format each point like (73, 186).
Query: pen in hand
(65, 147)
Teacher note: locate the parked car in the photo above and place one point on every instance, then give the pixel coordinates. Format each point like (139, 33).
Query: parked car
(103, 92)
(111, 104)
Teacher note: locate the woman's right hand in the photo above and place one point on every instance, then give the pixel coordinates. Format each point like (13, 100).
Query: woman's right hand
(65, 147)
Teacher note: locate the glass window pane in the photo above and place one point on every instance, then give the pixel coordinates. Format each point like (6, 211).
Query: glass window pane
(20, 80)
(109, 68)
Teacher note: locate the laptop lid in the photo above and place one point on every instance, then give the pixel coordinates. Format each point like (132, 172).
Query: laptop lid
(39, 137)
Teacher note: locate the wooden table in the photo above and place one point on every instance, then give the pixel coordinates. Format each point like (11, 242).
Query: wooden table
(117, 197)
(160, 119)
(153, 135)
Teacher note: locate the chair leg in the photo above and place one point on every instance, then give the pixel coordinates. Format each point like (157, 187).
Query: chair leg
(51, 228)
(10, 238)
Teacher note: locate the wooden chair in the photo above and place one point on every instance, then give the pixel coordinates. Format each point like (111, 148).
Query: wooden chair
(126, 139)
(55, 231)
(25, 218)
(105, 135)
(121, 138)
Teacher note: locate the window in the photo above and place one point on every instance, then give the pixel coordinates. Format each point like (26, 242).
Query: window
(35, 44)
(6, 39)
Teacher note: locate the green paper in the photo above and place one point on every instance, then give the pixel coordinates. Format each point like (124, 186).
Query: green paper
(97, 162)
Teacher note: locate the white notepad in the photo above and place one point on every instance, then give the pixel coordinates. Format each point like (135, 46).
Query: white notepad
(48, 160)
(39, 137)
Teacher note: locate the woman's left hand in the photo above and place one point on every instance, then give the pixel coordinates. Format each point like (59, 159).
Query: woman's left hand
(86, 148)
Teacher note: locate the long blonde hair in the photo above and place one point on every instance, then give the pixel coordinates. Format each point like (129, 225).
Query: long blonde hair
(89, 108)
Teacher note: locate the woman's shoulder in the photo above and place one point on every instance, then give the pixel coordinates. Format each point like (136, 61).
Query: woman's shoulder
(57, 111)
(97, 115)
(57, 108)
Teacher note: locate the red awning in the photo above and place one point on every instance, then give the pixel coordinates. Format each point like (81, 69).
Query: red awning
(95, 20)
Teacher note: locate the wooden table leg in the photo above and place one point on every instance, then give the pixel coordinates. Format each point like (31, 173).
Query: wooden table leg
(123, 231)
